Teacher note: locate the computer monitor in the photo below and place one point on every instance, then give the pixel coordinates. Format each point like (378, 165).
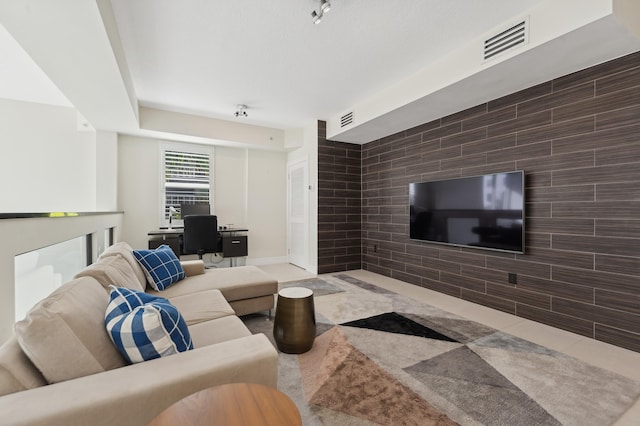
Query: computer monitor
(194, 209)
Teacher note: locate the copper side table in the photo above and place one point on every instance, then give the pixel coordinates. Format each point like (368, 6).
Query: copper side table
(294, 328)
(246, 404)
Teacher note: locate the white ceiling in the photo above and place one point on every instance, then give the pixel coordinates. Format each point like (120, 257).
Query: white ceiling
(396, 63)
(205, 57)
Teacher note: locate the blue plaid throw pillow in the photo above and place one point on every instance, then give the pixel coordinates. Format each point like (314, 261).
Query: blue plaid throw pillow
(145, 327)
(161, 266)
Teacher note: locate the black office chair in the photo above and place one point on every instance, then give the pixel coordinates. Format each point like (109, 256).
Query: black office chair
(201, 235)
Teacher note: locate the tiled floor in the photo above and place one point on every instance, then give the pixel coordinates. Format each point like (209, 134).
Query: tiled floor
(613, 358)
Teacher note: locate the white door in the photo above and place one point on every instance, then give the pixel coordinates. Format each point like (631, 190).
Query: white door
(298, 213)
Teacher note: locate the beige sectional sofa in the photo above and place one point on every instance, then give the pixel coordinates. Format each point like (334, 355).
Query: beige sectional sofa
(61, 367)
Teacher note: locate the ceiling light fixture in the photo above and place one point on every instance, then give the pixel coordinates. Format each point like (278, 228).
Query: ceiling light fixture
(241, 111)
(325, 6)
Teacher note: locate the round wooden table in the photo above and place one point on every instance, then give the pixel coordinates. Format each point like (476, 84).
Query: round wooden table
(246, 404)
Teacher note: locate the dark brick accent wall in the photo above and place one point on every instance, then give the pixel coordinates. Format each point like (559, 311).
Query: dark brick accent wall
(578, 140)
(339, 205)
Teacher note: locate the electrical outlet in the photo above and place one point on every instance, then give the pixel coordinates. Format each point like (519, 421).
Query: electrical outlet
(375, 248)
(513, 278)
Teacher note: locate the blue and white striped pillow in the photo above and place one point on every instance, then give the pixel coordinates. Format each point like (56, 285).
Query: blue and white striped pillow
(161, 266)
(145, 327)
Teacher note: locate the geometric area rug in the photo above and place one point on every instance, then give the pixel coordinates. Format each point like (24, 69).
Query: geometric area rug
(380, 358)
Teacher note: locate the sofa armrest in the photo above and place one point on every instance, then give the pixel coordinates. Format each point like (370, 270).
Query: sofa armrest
(137, 393)
(192, 267)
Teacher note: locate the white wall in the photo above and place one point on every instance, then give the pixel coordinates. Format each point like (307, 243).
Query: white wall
(309, 151)
(46, 165)
(250, 191)
(106, 171)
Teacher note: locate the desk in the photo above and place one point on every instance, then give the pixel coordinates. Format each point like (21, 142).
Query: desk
(246, 404)
(234, 244)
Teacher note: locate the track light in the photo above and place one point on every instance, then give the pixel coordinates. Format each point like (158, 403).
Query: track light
(325, 6)
(317, 18)
(241, 111)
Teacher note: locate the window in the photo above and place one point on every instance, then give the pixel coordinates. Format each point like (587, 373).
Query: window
(187, 179)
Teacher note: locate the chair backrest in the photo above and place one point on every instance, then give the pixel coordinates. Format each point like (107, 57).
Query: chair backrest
(200, 234)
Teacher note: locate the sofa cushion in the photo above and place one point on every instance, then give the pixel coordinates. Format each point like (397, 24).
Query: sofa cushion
(64, 336)
(242, 282)
(123, 249)
(202, 306)
(218, 330)
(112, 270)
(17, 373)
(161, 266)
(145, 327)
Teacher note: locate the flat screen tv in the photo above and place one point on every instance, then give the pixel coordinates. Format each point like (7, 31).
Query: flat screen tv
(480, 211)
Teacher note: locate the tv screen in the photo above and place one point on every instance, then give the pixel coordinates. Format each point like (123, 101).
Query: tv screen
(479, 211)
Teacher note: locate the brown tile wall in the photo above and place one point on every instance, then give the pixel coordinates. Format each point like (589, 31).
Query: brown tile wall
(339, 205)
(578, 140)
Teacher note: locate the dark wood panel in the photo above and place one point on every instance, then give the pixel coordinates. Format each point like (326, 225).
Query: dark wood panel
(618, 154)
(561, 193)
(562, 226)
(581, 293)
(465, 161)
(599, 71)
(554, 257)
(618, 337)
(618, 118)
(463, 258)
(490, 118)
(620, 301)
(538, 210)
(598, 314)
(520, 152)
(521, 96)
(463, 115)
(423, 272)
(596, 279)
(519, 295)
(602, 174)
(441, 132)
(601, 245)
(597, 210)
(557, 130)
(520, 267)
(485, 274)
(464, 137)
(441, 265)
(557, 161)
(533, 240)
(490, 144)
(618, 81)
(595, 140)
(564, 322)
(494, 302)
(618, 228)
(520, 123)
(558, 98)
(617, 264)
(620, 191)
(441, 287)
(463, 282)
(582, 199)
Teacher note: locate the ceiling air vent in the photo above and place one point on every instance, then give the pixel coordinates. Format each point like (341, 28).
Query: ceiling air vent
(507, 40)
(346, 119)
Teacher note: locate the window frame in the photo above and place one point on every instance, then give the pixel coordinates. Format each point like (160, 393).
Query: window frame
(186, 148)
